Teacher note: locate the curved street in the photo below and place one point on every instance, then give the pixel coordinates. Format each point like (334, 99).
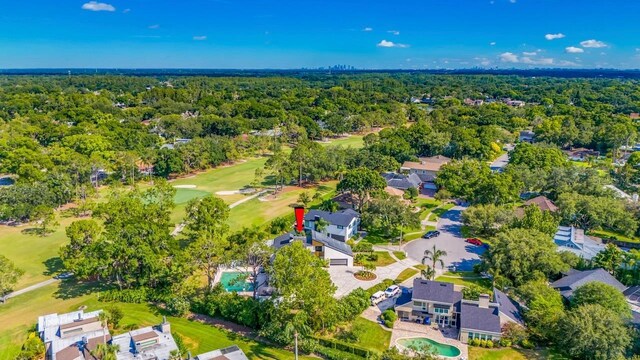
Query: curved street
(460, 255)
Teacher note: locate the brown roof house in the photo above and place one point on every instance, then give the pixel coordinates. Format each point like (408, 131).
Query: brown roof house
(148, 343)
(426, 168)
(542, 202)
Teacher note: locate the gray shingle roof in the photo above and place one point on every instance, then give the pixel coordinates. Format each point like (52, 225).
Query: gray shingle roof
(508, 307)
(435, 291)
(342, 218)
(568, 284)
(401, 181)
(286, 239)
(332, 243)
(473, 317)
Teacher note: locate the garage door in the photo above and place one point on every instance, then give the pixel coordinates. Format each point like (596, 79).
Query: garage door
(342, 262)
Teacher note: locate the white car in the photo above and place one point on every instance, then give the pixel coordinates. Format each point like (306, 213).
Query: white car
(392, 291)
(377, 297)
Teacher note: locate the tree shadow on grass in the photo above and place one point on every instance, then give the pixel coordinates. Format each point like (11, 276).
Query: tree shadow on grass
(36, 231)
(72, 288)
(52, 266)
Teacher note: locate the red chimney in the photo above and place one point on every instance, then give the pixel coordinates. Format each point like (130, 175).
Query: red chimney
(299, 211)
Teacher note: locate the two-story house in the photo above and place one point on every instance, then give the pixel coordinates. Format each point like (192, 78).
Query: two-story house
(426, 168)
(340, 225)
(335, 252)
(440, 303)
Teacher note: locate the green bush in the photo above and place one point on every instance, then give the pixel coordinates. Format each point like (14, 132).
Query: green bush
(178, 306)
(362, 246)
(505, 342)
(352, 305)
(527, 344)
(474, 342)
(335, 354)
(489, 344)
(483, 343)
(388, 324)
(389, 317)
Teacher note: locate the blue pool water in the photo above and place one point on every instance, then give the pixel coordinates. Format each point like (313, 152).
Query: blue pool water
(428, 345)
(235, 281)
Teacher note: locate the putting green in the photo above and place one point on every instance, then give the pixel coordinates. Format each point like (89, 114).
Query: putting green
(183, 195)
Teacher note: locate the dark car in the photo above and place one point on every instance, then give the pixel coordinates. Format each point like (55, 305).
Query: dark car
(431, 234)
(474, 241)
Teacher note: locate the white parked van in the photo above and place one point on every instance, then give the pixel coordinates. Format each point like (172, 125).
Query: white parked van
(377, 297)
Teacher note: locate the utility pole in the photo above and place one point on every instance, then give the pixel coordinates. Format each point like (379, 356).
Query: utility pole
(295, 336)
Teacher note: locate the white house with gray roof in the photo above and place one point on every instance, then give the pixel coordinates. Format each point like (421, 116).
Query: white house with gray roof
(343, 224)
(335, 252)
(229, 353)
(148, 343)
(71, 336)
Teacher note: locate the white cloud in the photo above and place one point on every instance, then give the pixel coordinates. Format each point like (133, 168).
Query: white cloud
(98, 6)
(155, 26)
(593, 44)
(573, 50)
(527, 53)
(126, 11)
(200, 38)
(567, 63)
(391, 44)
(492, 43)
(554, 36)
(367, 29)
(512, 1)
(394, 32)
(509, 57)
(536, 61)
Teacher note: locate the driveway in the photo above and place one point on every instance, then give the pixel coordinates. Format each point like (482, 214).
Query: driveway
(460, 255)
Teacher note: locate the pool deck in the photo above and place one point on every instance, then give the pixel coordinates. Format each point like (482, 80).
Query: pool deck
(405, 329)
(262, 278)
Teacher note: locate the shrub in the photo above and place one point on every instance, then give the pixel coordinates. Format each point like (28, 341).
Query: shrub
(362, 246)
(505, 342)
(178, 306)
(489, 344)
(335, 354)
(483, 343)
(115, 315)
(389, 317)
(380, 287)
(32, 349)
(527, 344)
(353, 304)
(474, 342)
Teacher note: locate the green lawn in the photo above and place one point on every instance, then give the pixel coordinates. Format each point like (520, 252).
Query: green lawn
(384, 258)
(374, 336)
(20, 313)
(258, 212)
(441, 210)
(467, 279)
(401, 255)
(354, 141)
(476, 353)
(36, 255)
(611, 234)
(224, 178)
(406, 274)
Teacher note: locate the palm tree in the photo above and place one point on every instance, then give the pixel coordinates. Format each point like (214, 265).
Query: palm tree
(104, 319)
(435, 255)
(428, 273)
(105, 352)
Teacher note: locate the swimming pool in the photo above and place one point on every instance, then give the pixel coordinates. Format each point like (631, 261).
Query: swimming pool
(428, 345)
(235, 281)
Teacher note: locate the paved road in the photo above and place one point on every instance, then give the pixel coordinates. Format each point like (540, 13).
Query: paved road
(460, 255)
(30, 288)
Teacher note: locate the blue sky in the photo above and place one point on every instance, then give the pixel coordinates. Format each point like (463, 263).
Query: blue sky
(312, 33)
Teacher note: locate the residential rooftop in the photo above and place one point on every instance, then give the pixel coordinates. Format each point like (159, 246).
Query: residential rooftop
(575, 279)
(435, 291)
(229, 353)
(341, 218)
(433, 163)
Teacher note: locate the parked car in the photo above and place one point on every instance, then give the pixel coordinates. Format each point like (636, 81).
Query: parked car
(392, 291)
(377, 297)
(63, 276)
(474, 241)
(431, 234)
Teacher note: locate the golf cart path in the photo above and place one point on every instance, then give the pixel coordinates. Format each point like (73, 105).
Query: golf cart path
(30, 288)
(180, 226)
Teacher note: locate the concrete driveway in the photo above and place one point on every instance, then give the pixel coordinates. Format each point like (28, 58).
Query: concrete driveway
(460, 255)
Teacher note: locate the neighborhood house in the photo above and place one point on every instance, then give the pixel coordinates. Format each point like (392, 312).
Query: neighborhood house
(569, 238)
(426, 168)
(75, 335)
(402, 181)
(336, 252)
(442, 304)
(341, 225)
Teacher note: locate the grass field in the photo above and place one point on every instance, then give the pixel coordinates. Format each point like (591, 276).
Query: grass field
(19, 314)
(476, 353)
(371, 335)
(406, 274)
(354, 141)
(384, 258)
(610, 234)
(400, 255)
(467, 279)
